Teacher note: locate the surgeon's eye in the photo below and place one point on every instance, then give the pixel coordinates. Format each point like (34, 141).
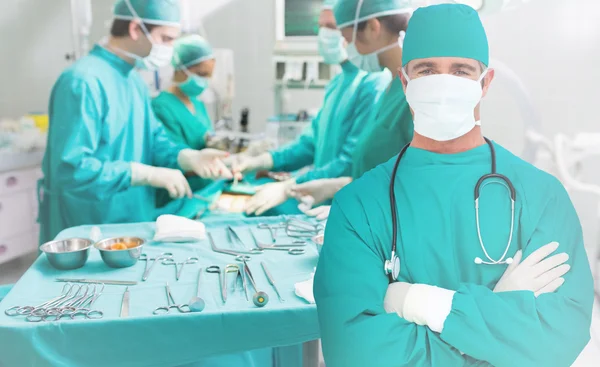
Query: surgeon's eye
(425, 72)
(461, 73)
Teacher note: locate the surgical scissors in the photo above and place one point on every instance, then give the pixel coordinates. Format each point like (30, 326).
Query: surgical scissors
(147, 270)
(300, 229)
(182, 308)
(292, 249)
(238, 256)
(179, 265)
(272, 229)
(231, 268)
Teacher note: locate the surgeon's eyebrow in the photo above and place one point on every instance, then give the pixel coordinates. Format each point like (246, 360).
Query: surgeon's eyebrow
(423, 65)
(457, 66)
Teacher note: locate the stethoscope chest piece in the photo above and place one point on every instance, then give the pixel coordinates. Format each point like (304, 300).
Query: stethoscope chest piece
(392, 267)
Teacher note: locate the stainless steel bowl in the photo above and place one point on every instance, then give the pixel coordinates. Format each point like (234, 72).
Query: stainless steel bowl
(67, 254)
(120, 258)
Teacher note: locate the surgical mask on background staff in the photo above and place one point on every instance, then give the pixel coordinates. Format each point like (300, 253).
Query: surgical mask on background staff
(331, 46)
(194, 85)
(369, 62)
(443, 104)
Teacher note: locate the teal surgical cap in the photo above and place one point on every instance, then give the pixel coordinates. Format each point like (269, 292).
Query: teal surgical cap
(191, 50)
(447, 30)
(159, 12)
(345, 11)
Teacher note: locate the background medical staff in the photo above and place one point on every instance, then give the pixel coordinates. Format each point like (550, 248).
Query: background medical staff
(375, 32)
(106, 151)
(183, 115)
(329, 145)
(447, 308)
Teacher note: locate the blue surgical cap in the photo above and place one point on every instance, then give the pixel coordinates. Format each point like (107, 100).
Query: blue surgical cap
(447, 30)
(345, 10)
(191, 50)
(159, 12)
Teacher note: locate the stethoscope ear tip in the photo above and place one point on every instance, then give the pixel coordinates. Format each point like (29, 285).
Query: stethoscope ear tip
(509, 260)
(478, 261)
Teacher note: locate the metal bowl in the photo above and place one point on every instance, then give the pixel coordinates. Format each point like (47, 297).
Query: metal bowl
(120, 258)
(67, 254)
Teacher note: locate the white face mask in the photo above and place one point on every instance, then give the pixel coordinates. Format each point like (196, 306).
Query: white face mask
(443, 104)
(331, 46)
(370, 62)
(160, 55)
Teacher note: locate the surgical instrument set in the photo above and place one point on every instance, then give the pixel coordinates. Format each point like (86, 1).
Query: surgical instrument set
(301, 229)
(125, 304)
(234, 236)
(231, 268)
(292, 249)
(272, 229)
(271, 280)
(94, 281)
(197, 304)
(238, 256)
(171, 304)
(75, 300)
(179, 265)
(146, 258)
(260, 298)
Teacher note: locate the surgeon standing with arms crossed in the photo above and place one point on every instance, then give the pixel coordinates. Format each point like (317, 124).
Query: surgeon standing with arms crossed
(375, 32)
(107, 153)
(350, 99)
(470, 282)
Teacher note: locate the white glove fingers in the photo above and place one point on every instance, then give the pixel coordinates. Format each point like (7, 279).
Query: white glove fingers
(551, 275)
(172, 190)
(224, 172)
(540, 254)
(516, 261)
(549, 263)
(552, 287)
(314, 211)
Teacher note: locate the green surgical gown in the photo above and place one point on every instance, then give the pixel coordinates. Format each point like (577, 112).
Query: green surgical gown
(183, 127)
(437, 245)
(350, 99)
(101, 120)
(388, 131)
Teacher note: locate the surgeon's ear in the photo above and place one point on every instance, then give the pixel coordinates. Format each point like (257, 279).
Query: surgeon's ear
(372, 31)
(135, 29)
(487, 81)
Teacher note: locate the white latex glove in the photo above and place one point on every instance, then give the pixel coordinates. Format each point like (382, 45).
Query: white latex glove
(268, 196)
(169, 179)
(244, 163)
(320, 212)
(320, 190)
(206, 163)
(538, 273)
(421, 304)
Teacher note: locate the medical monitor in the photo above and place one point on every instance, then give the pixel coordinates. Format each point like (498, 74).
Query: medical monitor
(297, 24)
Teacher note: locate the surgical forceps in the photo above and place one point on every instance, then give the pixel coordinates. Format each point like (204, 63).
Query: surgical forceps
(272, 229)
(260, 298)
(179, 265)
(292, 249)
(147, 270)
(231, 268)
(238, 256)
(271, 280)
(26, 310)
(300, 229)
(182, 308)
(234, 236)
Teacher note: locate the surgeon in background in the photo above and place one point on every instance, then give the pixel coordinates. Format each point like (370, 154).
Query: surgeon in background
(448, 307)
(375, 31)
(107, 153)
(183, 115)
(350, 99)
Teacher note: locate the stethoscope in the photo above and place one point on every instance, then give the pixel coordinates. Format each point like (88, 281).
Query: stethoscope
(392, 266)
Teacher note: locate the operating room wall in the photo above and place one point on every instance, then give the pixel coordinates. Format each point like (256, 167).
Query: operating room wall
(554, 47)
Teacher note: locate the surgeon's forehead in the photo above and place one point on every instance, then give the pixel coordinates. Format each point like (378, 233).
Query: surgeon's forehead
(443, 63)
(168, 31)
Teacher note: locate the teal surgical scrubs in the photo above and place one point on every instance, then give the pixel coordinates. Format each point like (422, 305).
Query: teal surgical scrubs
(183, 127)
(437, 245)
(101, 120)
(390, 128)
(350, 99)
